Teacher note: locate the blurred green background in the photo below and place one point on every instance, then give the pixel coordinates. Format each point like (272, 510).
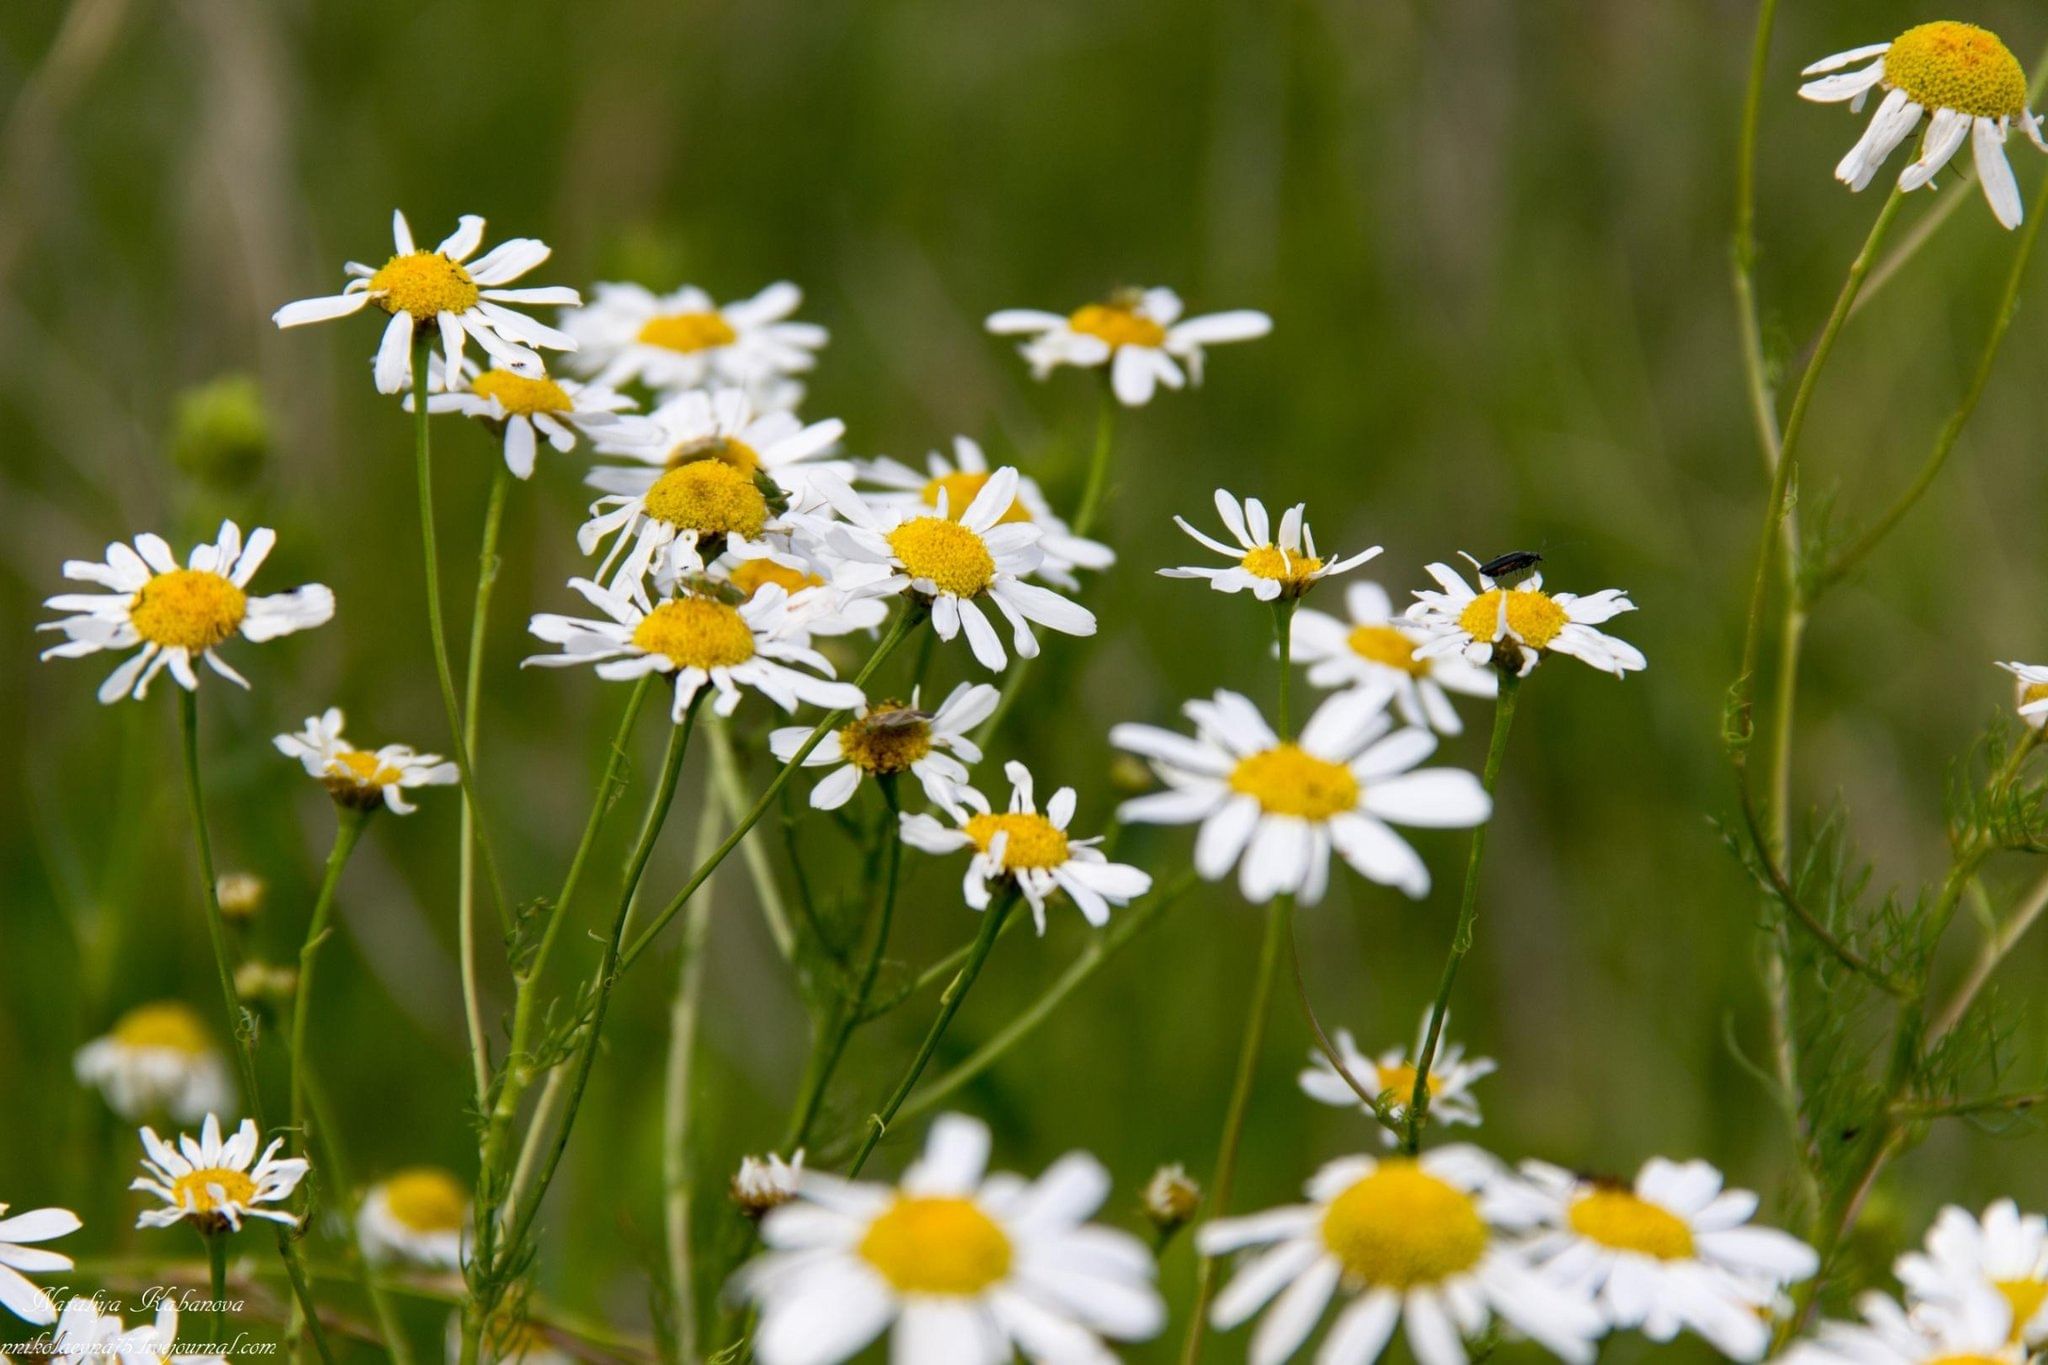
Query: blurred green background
(1493, 239)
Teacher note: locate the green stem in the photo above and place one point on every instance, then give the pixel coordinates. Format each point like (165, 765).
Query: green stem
(732, 795)
(472, 706)
(217, 1280)
(676, 1164)
(239, 1023)
(302, 1290)
(348, 828)
(338, 1178)
(1098, 465)
(1283, 636)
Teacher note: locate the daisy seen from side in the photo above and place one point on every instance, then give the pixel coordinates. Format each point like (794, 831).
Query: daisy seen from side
(419, 1215)
(684, 339)
(1138, 333)
(363, 779)
(2004, 1251)
(1975, 1331)
(158, 1058)
(2030, 692)
(217, 1183)
(1266, 565)
(527, 407)
(1391, 1075)
(1373, 647)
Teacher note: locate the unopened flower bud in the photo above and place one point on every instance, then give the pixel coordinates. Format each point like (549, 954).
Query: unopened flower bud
(265, 983)
(765, 1182)
(220, 432)
(1129, 773)
(1171, 1198)
(241, 894)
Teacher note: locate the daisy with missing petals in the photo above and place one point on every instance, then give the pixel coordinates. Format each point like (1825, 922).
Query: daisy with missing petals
(1392, 1074)
(2030, 692)
(963, 476)
(1674, 1251)
(1978, 1331)
(809, 575)
(86, 1336)
(444, 288)
(363, 779)
(1961, 74)
(419, 1215)
(177, 613)
(1276, 809)
(1262, 565)
(158, 1058)
(18, 1253)
(216, 1184)
(960, 1270)
(701, 638)
(1413, 1242)
(1512, 627)
(890, 738)
(1138, 333)
(684, 340)
(956, 564)
(1030, 849)
(766, 1182)
(1373, 649)
(2005, 1251)
(527, 406)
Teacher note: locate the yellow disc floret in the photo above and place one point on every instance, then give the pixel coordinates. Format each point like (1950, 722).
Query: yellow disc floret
(1289, 568)
(709, 497)
(193, 1192)
(1401, 1080)
(1288, 780)
(522, 395)
(424, 284)
(1119, 324)
(1034, 842)
(192, 609)
(961, 487)
(888, 739)
(1968, 1358)
(725, 449)
(751, 575)
(170, 1025)
(1387, 646)
(945, 554)
(937, 1245)
(426, 1199)
(1533, 617)
(696, 632)
(1617, 1218)
(356, 777)
(1401, 1227)
(2025, 1298)
(688, 332)
(1947, 65)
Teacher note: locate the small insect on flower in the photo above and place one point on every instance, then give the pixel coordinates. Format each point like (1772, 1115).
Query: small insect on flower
(2030, 691)
(684, 340)
(158, 1058)
(1963, 75)
(216, 1184)
(1263, 565)
(1032, 850)
(1513, 626)
(363, 779)
(957, 1268)
(889, 738)
(1138, 333)
(177, 613)
(1392, 1076)
(18, 1253)
(86, 1336)
(766, 1182)
(525, 405)
(419, 1215)
(1976, 1331)
(2005, 1251)
(1375, 649)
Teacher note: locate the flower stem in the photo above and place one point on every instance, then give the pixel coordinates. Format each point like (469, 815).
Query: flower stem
(348, 828)
(217, 1278)
(239, 1023)
(472, 698)
(676, 1110)
(338, 1178)
(1283, 636)
(1098, 466)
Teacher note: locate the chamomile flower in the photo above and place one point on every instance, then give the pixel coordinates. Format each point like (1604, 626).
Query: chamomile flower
(2004, 1251)
(86, 1336)
(683, 340)
(363, 779)
(1673, 1251)
(1963, 76)
(529, 405)
(766, 1182)
(215, 1183)
(1138, 333)
(19, 1235)
(700, 637)
(1034, 851)
(889, 738)
(444, 288)
(1977, 1331)
(2030, 692)
(956, 563)
(963, 476)
(812, 578)
(1262, 564)
(1513, 627)
(419, 1214)
(1276, 808)
(177, 613)
(1451, 1077)
(158, 1058)
(958, 1268)
(1412, 1242)
(1373, 648)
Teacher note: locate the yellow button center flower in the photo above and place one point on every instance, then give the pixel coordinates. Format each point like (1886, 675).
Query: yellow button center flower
(938, 1245)
(426, 1199)
(424, 284)
(1969, 1358)
(361, 767)
(191, 609)
(1387, 646)
(1288, 780)
(1616, 1218)
(1034, 842)
(1401, 1080)
(1288, 568)
(522, 395)
(724, 449)
(1118, 324)
(167, 1024)
(2033, 692)
(961, 487)
(709, 497)
(751, 575)
(1533, 618)
(696, 632)
(952, 558)
(2025, 1297)
(1947, 65)
(688, 332)
(192, 1192)
(1401, 1227)
(887, 739)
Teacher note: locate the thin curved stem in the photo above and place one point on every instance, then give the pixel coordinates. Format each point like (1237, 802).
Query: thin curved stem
(338, 1177)
(1098, 465)
(677, 1165)
(216, 924)
(472, 706)
(1368, 1098)
(348, 828)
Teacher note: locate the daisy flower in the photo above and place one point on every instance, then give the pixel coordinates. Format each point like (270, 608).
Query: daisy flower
(18, 1253)
(1374, 649)
(2030, 692)
(1277, 808)
(810, 576)
(766, 1182)
(958, 1268)
(363, 779)
(1138, 333)
(1513, 627)
(957, 564)
(86, 1336)
(1672, 1251)
(1030, 849)
(460, 297)
(526, 406)
(965, 475)
(702, 639)
(216, 1184)
(683, 339)
(890, 738)
(419, 1214)
(2004, 1251)
(1963, 76)
(1260, 564)
(1413, 1242)
(1451, 1078)
(1977, 1332)
(176, 614)
(158, 1058)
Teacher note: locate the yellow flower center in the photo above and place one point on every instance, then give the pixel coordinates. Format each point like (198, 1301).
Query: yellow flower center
(1401, 1080)
(961, 487)
(1118, 324)
(1387, 646)
(724, 449)
(521, 395)
(1294, 571)
(1969, 1358)
(424, 283)
(362, 768)
(2025, 1298)
(750, 575)
(1533, 618)
(944, 553)
(937, 1245)
(696, 632)
(188, 609)
(1401, 1226)
(1619, 1219)
(192, 1192)
(2033, 692)
(168, 1024)
(887, 739)
(1034, 841)
(1947, 65)
(687, 332)
(1288, 780)
(709, 497)
(426, 1199)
